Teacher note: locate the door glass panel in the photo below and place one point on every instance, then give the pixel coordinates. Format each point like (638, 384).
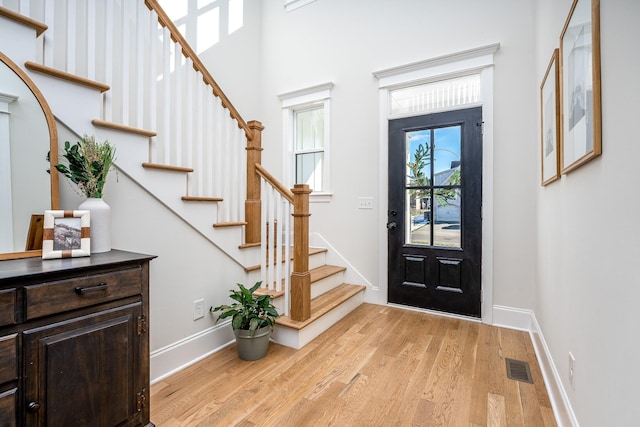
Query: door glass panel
(447, 214)
(446, 153)
(418, 216)
(433, 222)
(418, 155)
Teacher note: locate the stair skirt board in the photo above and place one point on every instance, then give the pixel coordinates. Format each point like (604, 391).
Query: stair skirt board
(299, 338)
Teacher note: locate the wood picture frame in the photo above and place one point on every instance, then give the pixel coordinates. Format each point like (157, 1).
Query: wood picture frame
(66, 234)
(581, 112)
(550, 122)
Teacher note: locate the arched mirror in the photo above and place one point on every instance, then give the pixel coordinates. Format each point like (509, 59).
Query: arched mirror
(27, 133)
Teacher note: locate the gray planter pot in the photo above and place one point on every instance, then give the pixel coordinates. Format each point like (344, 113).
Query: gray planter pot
(252, 347)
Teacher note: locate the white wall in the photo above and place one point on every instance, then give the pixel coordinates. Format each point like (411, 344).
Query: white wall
(344, 43)
(188, 267)
(586, 289)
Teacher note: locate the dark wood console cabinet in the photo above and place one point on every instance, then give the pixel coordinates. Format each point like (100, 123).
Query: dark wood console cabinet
(74, 341)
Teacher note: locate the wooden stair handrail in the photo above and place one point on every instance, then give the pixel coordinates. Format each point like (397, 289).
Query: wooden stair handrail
(280, 187)
(188, 52)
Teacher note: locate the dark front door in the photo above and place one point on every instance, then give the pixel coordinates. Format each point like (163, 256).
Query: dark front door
(435, 204)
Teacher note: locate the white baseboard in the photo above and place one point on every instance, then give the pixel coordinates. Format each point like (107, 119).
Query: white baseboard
(177, 356)
(525, 320)
(512, 318)
(557, 394)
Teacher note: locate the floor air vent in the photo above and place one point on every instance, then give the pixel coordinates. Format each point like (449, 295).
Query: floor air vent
(519, 370)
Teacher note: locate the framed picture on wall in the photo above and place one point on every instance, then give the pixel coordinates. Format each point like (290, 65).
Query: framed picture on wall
(66, 234)
(550, 121)
(580, 85)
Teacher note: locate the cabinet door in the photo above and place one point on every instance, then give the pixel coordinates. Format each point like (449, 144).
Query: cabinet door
(81, 372)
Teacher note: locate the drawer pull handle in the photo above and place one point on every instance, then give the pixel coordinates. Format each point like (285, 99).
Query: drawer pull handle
(82, 290)
(33, 407)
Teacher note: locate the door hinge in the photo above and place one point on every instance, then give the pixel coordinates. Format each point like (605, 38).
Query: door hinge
(481, 124)
(142, 325)
(141, 400)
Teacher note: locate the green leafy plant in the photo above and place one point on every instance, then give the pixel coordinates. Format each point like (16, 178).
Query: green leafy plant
(249, 312)
(89, 162)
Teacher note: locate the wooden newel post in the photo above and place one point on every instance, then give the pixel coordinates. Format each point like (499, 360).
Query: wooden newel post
(252, 204)
(301, 277)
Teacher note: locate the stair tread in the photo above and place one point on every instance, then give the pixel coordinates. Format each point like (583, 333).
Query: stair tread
(325, 271)
(148, 165)
(323, 304)
(201, 199)
(38, 26)
(124, 128)
(53, 72)
(229, 224)
(312, 251)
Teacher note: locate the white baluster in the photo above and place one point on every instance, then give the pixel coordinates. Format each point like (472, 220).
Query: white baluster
(217, 146)
(277, 248)
(71, 32)
(91, 39)
(177, 104)
(151, 118)
(287, 254)
(167, 47)
(107, 112)
(125, 98)
(49, 19)
(140, 78)
(263, 234)
(188, 113)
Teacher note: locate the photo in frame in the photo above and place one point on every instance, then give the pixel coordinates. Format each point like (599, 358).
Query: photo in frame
(66, 234)
(550, 122)
(581, 138)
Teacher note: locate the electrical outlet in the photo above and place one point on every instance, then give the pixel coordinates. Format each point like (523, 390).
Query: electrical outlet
(572, 371)
(365, 202)
(198, 309)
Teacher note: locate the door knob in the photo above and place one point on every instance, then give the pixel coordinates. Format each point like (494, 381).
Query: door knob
(392, 226)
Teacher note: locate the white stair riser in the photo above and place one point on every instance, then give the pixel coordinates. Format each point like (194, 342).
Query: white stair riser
(74, 104)
(17, 41)
(325, 285)
(299, 338)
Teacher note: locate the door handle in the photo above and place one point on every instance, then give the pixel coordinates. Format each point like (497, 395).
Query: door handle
(391, 226)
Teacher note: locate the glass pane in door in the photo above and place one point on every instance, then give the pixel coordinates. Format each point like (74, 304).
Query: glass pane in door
(446, 214)
(418, 154)
(446, 154)
(418, 217)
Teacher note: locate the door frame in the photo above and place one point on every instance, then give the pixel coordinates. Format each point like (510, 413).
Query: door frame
(474, 61)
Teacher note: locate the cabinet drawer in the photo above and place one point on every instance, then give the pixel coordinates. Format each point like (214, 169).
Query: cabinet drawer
(7, 307)
(8, 364)
(55, 297)
(8, 408)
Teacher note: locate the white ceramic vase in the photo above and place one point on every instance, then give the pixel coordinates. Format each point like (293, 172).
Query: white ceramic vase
(100, 224)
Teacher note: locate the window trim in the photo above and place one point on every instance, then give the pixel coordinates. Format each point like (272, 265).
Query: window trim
(300, 100)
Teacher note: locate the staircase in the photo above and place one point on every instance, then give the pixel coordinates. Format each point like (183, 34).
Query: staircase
(238, 213)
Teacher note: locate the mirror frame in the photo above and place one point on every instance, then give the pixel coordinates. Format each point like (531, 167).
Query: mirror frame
(53, 149)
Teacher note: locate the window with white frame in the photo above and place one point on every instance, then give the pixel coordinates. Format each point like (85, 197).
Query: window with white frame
(306, 135)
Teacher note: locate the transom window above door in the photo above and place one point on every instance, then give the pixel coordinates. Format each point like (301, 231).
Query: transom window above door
(433, 96)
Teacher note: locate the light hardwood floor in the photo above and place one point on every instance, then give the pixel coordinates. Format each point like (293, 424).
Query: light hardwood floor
(379, 366)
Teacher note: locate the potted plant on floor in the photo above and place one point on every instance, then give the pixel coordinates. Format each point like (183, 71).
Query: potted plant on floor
(252, 320)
